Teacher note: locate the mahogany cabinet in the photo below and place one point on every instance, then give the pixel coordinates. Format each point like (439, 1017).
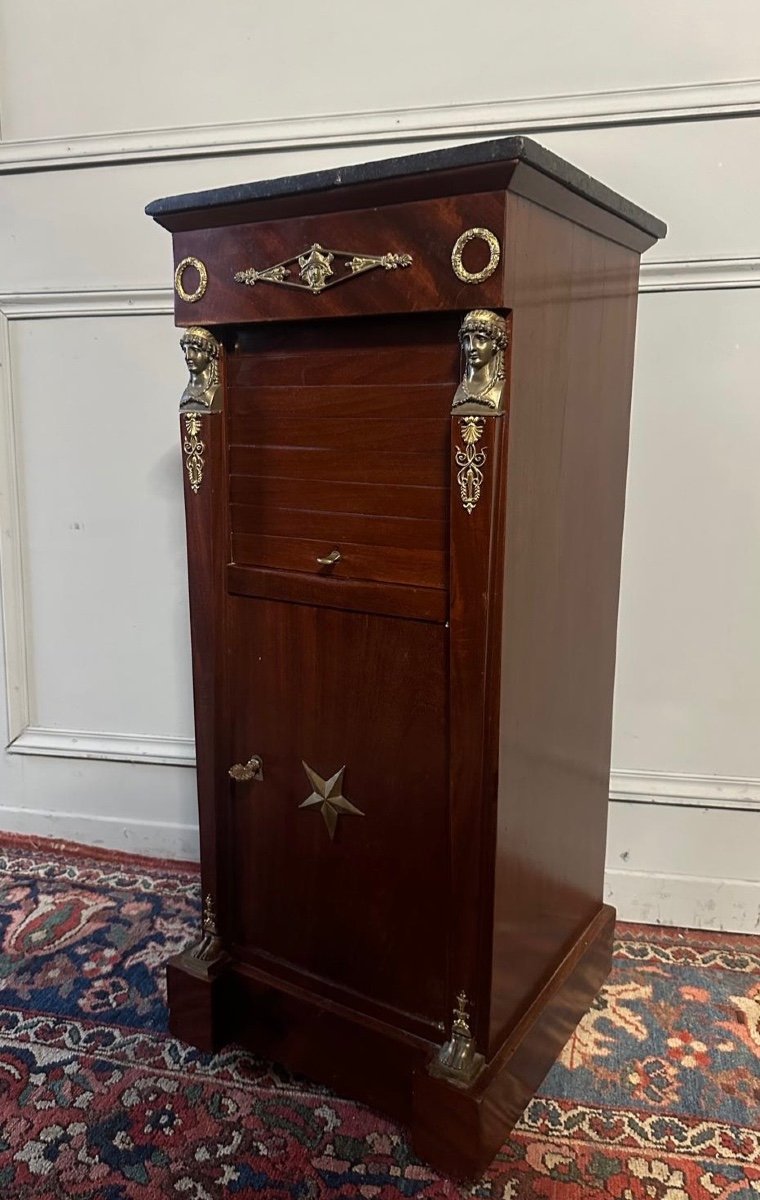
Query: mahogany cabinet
(404, 436)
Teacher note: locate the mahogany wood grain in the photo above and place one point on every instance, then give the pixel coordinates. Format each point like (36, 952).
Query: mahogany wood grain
(358, 435)
(460, 1129)
(207, 541)
(348, 1051)
(363, 401)
(354, 595)
(199, 1003)
(553, 197)
(407, 532)
(335, 675)
(255, 964)
(389, 564)
(416, 354)
(477, 553)
(458, 664)
(365, 1054)
(337, 466)
(573, 296)
(426, 230)
(319, 495)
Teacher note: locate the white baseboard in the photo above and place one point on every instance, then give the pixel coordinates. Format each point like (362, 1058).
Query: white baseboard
(154, 839)
(695, 902)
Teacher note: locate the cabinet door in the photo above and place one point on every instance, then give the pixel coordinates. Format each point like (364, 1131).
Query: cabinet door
(361, 913)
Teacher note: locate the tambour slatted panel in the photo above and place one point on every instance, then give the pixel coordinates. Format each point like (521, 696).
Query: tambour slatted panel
(356, 437)
(423, 503)
(391, 401)
(334, 464)
(334, 443)
(378, 531)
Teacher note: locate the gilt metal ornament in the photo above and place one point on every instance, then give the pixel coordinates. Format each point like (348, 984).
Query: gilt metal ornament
(483, 338)
(209, 947)
(201, 351)
(316, 268)
(328, 797)
(179, 278)
(470, 460)
(494, 254)
(458, 1059)
(245, 772)
(194, 450)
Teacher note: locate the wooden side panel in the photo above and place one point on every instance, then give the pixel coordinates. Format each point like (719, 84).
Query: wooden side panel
(573, 296)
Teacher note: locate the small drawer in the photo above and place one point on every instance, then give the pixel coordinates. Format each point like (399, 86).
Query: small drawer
(337, 559)
(395, 259)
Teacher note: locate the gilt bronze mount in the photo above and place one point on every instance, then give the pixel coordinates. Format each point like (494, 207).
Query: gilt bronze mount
(458, 1059)
(208, 950)
(179, 277)
(316, 268)
(483, 338)
(494, 254)
(470, 460)
(194, 450)
(327, 796)
(201, 351)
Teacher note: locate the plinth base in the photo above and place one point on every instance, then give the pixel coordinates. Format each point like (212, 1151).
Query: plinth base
(457, 1128)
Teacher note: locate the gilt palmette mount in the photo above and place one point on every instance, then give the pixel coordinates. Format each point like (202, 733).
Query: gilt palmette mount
(316, 268)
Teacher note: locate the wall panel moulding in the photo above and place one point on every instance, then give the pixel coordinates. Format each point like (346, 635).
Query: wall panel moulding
(535, 114)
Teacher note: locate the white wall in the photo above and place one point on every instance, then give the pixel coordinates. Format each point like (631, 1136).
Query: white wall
(105, 106)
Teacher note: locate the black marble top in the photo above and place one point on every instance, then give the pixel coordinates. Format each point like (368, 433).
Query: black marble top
(471, 155)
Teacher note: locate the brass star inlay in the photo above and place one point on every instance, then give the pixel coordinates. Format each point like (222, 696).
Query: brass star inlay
(328, 797)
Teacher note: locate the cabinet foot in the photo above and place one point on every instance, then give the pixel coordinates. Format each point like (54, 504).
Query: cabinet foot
(459, 1128)
(197, 999)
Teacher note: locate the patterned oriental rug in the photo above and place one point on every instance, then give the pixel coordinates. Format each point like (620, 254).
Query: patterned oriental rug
(657, 1095)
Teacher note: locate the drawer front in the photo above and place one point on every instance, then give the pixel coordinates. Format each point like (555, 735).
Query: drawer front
(390, 260)
(337, 558)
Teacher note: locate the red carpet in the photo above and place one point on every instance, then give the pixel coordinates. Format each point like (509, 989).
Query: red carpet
(657, 1096)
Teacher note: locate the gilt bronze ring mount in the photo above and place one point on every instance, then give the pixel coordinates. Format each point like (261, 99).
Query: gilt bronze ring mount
(190, 297)
(494, 248)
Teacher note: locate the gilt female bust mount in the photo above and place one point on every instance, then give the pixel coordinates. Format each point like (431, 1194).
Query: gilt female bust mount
(483, 338)
(201, 350)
